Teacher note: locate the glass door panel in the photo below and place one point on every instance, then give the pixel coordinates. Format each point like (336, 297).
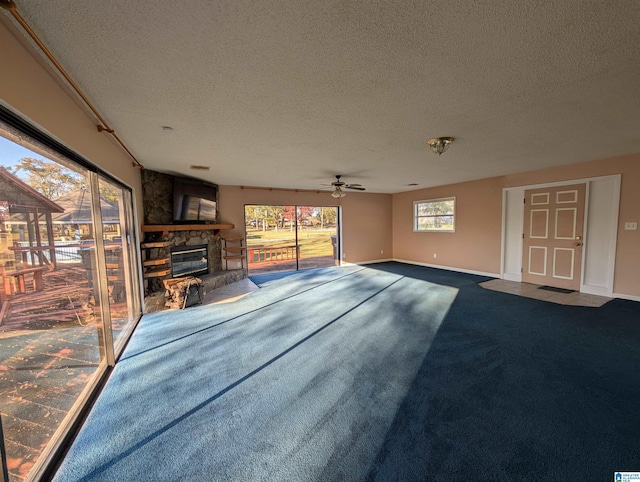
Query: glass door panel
(271, 238)
(119, 258)
(51, 348)
(317, 236)
(288, 238)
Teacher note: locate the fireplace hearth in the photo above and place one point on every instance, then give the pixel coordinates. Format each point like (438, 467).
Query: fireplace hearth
(189, 261)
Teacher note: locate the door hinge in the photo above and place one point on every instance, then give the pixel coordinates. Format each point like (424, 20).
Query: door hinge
(522, 270)
(524, 200)
(522, 235)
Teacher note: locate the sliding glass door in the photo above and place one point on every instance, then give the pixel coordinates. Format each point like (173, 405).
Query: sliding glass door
(68, 296)
(289, 238)
(119, 255)
(317, 236)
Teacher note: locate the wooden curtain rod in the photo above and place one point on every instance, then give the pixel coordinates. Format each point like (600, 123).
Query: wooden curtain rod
(10, 6)
(257, 188)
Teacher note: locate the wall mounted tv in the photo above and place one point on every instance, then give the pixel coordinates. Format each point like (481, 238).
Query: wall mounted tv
(194, 201)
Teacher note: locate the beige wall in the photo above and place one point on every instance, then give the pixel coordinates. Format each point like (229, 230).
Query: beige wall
(29, 88)
(476, 244)
(365, 217)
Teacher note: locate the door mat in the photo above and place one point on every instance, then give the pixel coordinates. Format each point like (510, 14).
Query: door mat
(557, 290)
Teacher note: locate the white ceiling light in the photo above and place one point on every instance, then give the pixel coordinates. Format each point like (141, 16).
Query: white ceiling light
(338, 193)
(439, 144)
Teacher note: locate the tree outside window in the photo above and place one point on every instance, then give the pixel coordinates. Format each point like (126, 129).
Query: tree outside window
(436, 215)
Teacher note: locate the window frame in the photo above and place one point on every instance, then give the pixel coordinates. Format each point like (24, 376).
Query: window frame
(52, 150)
(416, 217)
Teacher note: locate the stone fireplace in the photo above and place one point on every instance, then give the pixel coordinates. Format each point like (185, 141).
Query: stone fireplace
(201, 243)
(177, 241)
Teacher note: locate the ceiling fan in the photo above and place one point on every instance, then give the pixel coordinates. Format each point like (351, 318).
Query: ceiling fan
(338, 185)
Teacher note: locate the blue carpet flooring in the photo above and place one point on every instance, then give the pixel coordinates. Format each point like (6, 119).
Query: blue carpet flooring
(267, 278)
(384, 372)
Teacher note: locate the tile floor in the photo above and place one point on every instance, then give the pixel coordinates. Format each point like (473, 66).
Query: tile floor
(533, 291)
(229, 293)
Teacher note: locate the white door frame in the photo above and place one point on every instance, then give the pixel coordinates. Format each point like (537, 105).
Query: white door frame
(600, 231)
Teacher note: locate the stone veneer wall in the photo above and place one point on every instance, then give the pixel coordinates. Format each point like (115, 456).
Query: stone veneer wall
(157, 196)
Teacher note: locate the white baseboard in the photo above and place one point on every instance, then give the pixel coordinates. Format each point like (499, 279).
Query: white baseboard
(375, 261)
(626, 297)
(595, 290)
(449, 268)
(358, 263)
(506, 276)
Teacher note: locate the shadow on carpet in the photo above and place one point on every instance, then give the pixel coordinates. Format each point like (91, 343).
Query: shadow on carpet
(384, 372)
(263, 279)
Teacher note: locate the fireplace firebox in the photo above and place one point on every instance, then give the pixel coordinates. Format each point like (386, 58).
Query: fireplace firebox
(189, 260)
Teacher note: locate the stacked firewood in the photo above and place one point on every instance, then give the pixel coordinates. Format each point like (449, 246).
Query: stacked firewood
(182, 292)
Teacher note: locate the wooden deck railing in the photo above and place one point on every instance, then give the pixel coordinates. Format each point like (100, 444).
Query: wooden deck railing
(258, 254)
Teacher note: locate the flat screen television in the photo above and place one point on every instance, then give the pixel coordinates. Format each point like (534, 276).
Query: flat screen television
(194, 201)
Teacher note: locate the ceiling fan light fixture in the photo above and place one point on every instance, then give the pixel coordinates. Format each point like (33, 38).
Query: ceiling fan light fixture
(439, 144)
(338, 193)
(338, 185)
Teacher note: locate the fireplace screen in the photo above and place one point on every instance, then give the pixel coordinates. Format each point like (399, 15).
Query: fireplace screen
(189, 260)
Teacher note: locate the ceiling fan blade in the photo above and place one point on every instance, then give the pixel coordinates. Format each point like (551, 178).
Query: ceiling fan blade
(338, 185)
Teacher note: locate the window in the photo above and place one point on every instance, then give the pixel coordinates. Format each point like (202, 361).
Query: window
(436, 215)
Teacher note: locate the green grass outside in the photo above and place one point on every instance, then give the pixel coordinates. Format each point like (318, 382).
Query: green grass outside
(313, 241)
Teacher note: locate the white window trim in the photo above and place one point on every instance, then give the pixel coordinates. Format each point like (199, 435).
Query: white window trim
(415, 215)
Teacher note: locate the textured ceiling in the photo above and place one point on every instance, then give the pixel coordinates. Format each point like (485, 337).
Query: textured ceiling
(289, 93)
